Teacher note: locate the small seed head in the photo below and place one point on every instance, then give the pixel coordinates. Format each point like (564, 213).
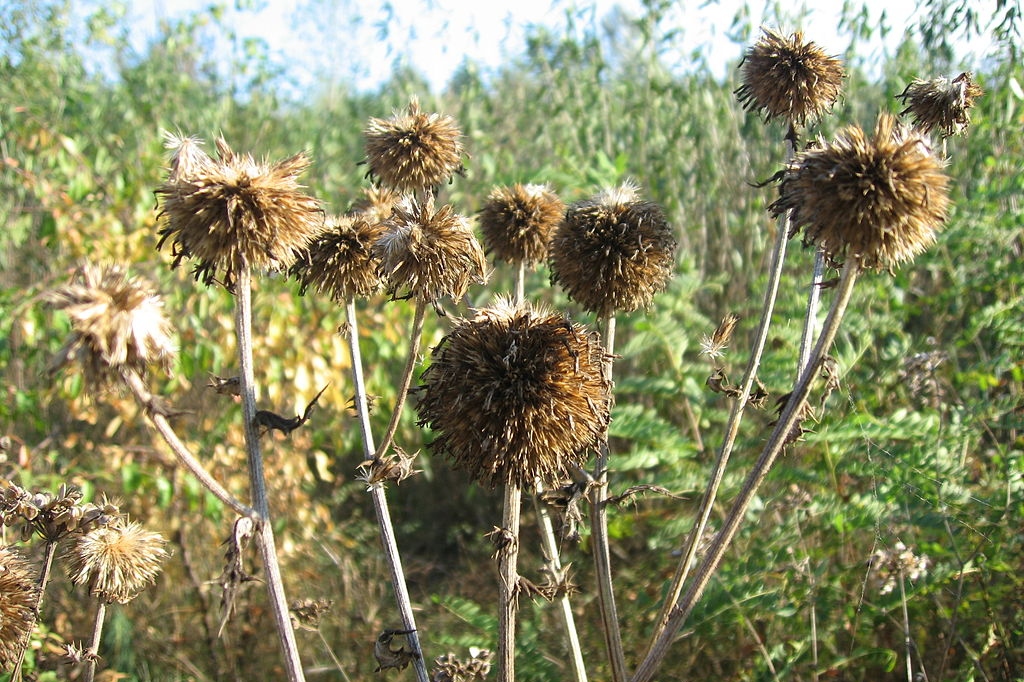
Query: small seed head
(235, 212)
(18, 597)
(517, 222)
(427, 254)
(117, 561)
(785, 77)
(340, 262)
(941, 103)
(413, 151)
(613, 252)
(879, 200)
(117, 321)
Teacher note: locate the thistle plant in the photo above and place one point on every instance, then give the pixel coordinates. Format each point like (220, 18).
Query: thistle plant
(233, 216)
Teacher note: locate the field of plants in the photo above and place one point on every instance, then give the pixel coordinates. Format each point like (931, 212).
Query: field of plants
(215, 300)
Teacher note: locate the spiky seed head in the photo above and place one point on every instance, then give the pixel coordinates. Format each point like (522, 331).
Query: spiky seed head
(517, 222)
(413, 150)
(785, 77)
(449, 668)
(18, 598)
(376, 204)
(428, 254)
(236, 212)
(340, 262)
(941, 103)
(613, 252)
(516, 393)
(117, 321)
(187, 157)
(877, 200)
(117, 561)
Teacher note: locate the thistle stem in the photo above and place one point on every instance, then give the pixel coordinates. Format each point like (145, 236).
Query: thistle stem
(813, 304)
(707, 502)
(44, 578)
(776, 443)
(508, 583)
(166, 431)
(376, 490)
(89, 674)
(416, 335)
(257, 481)
(599, 537)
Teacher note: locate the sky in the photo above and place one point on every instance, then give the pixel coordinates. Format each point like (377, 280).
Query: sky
(438, 35)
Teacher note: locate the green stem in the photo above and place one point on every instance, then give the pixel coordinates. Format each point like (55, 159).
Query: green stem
(780, 436)
(257, 480)
(599, 537)
(376, 490)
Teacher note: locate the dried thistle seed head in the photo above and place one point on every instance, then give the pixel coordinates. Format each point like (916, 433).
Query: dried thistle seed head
(877, 200)
(715, 345)
(516, 393)
(517, 222)
(187, 157)
(117, 561)
(117, 322)
(18, 597)
(613, 252)
(237, 212)
(427, 254)
(449, 668)
(340, 262)
(941, 103)
(413, 151)
(785, 77)
(376, 204)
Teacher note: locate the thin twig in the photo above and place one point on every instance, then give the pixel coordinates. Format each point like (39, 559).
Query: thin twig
(44, 578)
(416, 335)
(508, 583)
(599, 537)
(257, 481)
(93, 653)
(180, 450)
(376, 490)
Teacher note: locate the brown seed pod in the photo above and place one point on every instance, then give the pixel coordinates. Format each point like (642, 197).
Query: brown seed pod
(340, 262)
(236, 212)
(376, 204)
(785, 77)
(413, 151)
(117, 321)
(878, 200)
(613, 252)
(18, 597)
(941, 103)
(117, 561)
(427, 254)
(517, 222)
(515, 393)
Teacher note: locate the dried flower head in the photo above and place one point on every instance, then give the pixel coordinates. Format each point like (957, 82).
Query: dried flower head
(428, 254)
(888, 566)
(877, 200)
(53, 516)
(785, 77)
(515, 393)
(376, 204)
(187, 157)
(413, 151)
(235, 212)
(117, 561)
(517, 222)
(449, 668)
(18, 597)
(715, 345)
(613, 252)
(117, 322)
(941, 103)
(340, 262)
